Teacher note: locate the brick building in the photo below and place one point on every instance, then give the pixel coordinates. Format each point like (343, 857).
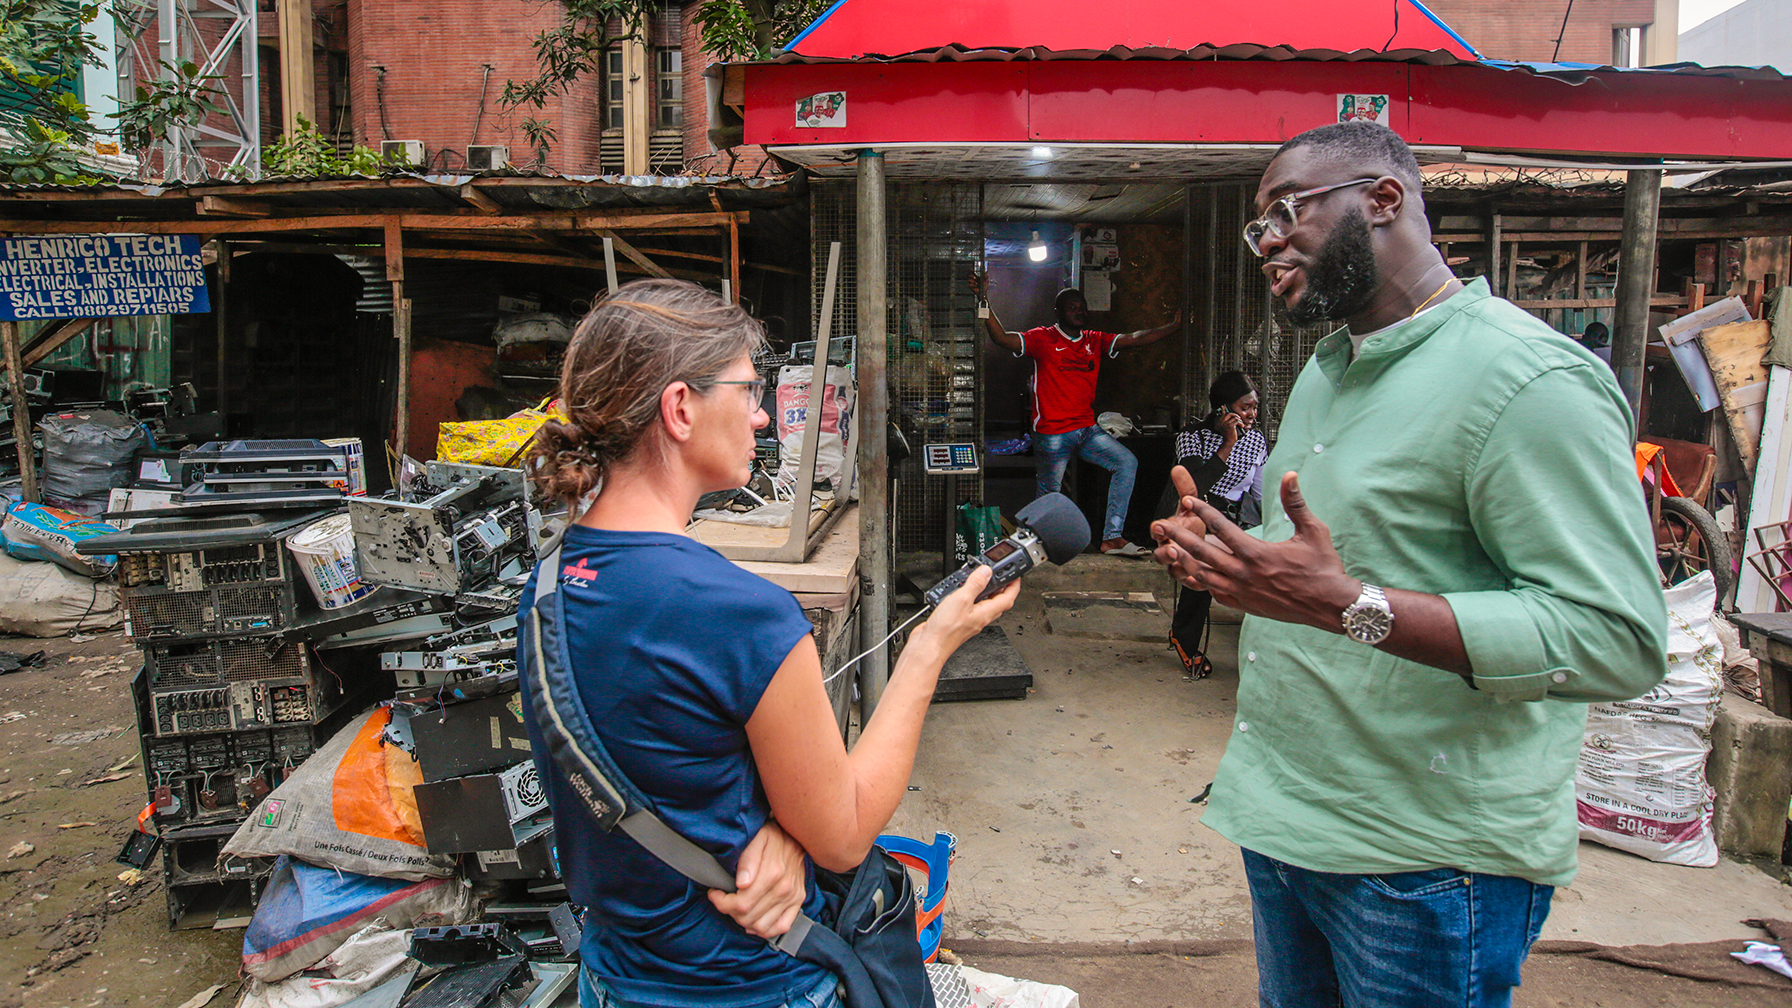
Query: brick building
(1615, 32)
(434, 73)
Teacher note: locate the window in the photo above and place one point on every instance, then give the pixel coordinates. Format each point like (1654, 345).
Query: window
(666, 98)
(1627, 46)
(613, 86)
(669, 89)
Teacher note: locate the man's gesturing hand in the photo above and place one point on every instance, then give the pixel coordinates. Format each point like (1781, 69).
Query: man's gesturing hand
(1299, 580)
(1187, 496)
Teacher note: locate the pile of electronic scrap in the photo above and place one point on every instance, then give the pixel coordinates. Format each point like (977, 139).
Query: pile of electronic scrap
(275, 612)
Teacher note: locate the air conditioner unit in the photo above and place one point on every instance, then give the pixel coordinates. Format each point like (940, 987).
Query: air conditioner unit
(487, 157)
(405, 152)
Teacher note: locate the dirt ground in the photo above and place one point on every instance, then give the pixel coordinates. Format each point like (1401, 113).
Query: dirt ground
(76, 935)
(72, 933)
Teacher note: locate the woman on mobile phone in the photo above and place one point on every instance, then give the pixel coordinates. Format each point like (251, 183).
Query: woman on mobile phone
(1224, 452)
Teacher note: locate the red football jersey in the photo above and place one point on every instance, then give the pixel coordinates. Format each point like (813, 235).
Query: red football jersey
(1064, 373)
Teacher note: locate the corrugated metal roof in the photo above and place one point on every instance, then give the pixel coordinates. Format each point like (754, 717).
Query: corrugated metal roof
(956, 53)
(855, 27)
(533, 191)
(1575, 72)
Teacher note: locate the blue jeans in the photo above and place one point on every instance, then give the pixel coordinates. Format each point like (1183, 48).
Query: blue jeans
(1423, 939)
(1053, 451)
(593, 994)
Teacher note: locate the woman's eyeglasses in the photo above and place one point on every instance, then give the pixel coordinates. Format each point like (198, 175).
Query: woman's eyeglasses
(755, 389)
(1279, 220)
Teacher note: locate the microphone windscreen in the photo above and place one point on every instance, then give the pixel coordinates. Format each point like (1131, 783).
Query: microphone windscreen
(1059, 524)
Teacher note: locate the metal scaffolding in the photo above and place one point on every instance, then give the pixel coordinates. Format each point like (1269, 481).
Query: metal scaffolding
(218, 37)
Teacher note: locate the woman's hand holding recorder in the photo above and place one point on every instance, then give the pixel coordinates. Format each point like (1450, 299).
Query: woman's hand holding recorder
(959, 616)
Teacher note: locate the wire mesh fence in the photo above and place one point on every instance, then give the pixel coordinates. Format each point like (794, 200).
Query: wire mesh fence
(931, 334)
(935, 341)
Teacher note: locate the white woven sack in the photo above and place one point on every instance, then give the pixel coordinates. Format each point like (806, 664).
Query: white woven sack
(1641, 786)
(833, 454)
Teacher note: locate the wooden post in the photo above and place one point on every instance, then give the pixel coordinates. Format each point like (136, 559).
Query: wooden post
(1493, 255)
(638, 89)
(401, 331)
(1512, 272)
(872, 349)
(1636, 281)
(298, 79)
(21, 409)
(1580, 272)
(734, 258)
(221, 316)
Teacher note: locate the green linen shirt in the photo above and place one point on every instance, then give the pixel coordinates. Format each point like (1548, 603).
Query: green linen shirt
(1474, 453)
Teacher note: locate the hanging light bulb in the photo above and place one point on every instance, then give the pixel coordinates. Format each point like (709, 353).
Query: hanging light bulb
(1036, 250)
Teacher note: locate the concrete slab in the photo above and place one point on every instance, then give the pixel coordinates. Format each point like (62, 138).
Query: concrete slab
(1751, 770)
(1095, 572)
(1104, 755)
(986, 667)
(1622, 899)
(1106, 615)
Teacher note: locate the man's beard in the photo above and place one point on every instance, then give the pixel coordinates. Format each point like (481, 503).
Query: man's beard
(1342, 278)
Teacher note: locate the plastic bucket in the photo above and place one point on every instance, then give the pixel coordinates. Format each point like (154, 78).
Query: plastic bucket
(325, 552)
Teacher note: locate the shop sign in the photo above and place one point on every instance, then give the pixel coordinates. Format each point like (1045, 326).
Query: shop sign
(98, 276)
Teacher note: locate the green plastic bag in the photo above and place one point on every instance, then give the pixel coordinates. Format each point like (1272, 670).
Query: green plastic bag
(979, 528)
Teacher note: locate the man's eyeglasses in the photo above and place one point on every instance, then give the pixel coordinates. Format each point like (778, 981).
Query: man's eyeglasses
(755, 389)
(1279, 220)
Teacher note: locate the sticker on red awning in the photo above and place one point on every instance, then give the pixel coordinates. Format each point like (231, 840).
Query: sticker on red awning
(1373, 107)
(822, 110)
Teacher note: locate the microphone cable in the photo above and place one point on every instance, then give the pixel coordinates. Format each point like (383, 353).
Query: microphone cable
(855, 659)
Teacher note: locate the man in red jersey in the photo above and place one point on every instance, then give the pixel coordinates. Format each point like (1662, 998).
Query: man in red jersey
(1066, 362)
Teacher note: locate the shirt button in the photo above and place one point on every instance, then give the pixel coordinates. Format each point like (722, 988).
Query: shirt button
(1560, 677)
(1318, 448)
(1250, 656)
(1244, 726)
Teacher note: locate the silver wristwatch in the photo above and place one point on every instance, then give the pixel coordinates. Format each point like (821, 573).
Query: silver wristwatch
(1369, 619)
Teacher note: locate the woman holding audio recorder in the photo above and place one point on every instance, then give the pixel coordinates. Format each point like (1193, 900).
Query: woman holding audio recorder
(701, 680)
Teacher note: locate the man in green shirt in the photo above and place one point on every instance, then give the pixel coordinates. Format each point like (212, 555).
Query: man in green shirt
(1459, 560)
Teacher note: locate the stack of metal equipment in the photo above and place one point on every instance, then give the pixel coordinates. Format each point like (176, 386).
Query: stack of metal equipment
(245, 674)
(469, 533)
(231, 696)
(297, 471)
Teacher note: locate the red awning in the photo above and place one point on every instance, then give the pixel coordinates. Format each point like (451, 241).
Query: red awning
(853, 28)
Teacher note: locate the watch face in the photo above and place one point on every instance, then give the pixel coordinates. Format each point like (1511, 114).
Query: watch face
(1368, 624)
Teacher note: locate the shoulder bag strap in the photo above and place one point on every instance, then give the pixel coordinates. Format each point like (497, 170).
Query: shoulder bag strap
(615, 803)
(573, 743)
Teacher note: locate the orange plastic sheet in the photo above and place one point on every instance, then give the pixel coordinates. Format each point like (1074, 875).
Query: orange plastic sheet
(1646, 470)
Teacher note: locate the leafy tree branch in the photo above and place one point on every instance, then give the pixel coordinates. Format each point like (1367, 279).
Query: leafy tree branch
(574, 49)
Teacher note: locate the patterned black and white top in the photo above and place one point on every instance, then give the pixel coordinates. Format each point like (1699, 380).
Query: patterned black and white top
(1196, 450)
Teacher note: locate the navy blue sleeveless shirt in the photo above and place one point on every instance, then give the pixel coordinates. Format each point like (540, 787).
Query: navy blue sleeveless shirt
(672, 646)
